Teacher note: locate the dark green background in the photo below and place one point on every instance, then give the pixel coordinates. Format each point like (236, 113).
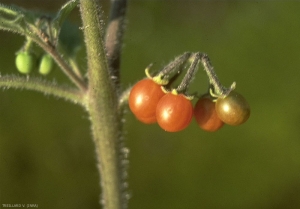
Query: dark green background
(47, 155)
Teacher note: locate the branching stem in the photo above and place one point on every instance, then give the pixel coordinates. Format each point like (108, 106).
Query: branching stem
(218, 89)
(61, 62)
(46, 87)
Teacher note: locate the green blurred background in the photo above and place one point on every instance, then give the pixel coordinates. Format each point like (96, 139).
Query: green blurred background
(47, 155)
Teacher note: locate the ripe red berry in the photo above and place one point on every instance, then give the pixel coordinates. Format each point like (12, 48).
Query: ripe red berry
(206, 115)
(174, 112)
(143, 100)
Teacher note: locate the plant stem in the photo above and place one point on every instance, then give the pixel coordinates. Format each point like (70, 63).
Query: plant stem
(186, 81)
(218, 89)
(114, 36)
(175, 64)
(123, 98)
(61, 62)
(103, 108)
(22, 21)
(37, 84)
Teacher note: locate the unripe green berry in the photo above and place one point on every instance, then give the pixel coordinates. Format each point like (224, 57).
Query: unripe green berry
(46, 64)
(25, 62)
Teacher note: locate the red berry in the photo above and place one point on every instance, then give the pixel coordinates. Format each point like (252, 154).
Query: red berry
(143, 100)
(206, 115)
(174, 112)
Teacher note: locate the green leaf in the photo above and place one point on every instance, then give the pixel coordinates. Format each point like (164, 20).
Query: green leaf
(70, 38)
(62, 15)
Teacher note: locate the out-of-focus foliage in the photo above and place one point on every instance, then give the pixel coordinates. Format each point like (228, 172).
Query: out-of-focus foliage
(47, 155)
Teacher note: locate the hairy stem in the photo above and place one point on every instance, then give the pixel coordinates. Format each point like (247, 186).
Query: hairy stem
(218, 89)
(46, 87)
(175, 64)
(114, 36)
(103, 108)
(187, 79)
(62, 63)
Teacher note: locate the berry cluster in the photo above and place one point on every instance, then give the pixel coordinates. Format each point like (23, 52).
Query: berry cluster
(152, 100)
(150, 104)
(27, 61)
(31, 57)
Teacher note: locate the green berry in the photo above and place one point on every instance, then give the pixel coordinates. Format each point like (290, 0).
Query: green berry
(25, 62)
(46, 64)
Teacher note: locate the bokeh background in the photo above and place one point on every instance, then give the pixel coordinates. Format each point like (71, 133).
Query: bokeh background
(47, 155)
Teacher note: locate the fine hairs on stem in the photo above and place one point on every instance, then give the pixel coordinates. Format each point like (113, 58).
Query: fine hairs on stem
(44, 44)
(104, 109)
(190, 74)
(162, 77)
(114, 38)
(217, 89)
(180, 60)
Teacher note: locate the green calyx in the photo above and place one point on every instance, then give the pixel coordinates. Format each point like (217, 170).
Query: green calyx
(158, 78)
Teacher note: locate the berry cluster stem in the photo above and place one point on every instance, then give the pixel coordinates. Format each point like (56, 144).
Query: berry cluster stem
(28, 44)
(190, 74)
(180, 60)
(216, 88)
